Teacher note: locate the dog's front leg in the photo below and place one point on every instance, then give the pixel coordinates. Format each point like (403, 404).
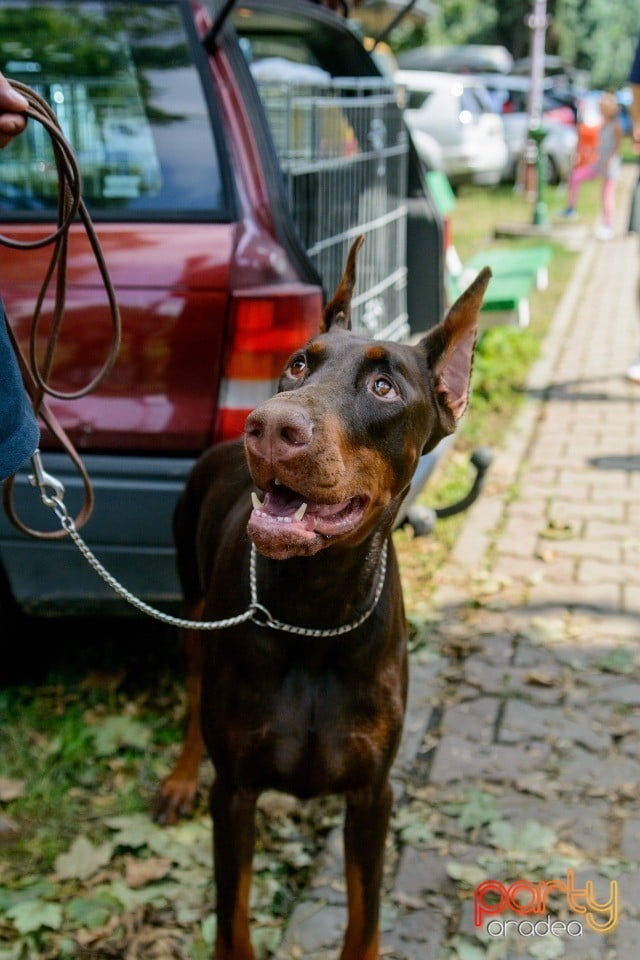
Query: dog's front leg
(233, 816)
(365, 831)
(177, 792)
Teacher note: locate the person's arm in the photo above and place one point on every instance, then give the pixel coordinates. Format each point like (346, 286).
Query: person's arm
(19, 430)
(634, 111)
(619, 137)
(634, 84)
(12, 107)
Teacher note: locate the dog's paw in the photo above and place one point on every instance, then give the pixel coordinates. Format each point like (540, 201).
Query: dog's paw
(175, 799)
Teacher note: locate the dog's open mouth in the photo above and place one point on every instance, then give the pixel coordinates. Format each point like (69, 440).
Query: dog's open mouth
(286, 519)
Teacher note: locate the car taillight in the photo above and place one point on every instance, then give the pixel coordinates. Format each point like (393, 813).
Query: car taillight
(268, 324)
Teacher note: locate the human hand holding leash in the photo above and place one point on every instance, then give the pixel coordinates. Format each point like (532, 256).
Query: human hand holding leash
(12, 112)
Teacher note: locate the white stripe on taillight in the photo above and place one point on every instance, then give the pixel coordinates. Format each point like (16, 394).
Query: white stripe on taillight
(245, 394)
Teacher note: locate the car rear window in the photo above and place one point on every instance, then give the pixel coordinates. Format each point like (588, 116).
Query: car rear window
(471, 100)
(123, 83)
(415, 99)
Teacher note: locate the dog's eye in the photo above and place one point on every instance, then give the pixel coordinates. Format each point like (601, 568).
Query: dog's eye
(383, 387)
(297, 368)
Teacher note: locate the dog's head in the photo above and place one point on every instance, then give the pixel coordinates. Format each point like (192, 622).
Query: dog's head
(332, 454)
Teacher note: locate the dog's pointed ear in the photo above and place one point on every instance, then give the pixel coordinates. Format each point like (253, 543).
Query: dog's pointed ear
(337, 312)
(449, 351)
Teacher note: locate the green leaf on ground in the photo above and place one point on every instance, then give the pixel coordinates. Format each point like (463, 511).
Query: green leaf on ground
(209, 929)
(412, 827)
(522, 844)
(33, 915)
(478, 809)
(621, 660)
(469, 874)
(543, 630)
(83, 859)
(114, 733)
(547, 950)
(132, 831)
(463, 949)
(90, 911)
(157, 894)
(265, 940)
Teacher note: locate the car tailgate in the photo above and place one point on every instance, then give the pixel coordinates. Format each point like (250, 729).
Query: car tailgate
(172, 286)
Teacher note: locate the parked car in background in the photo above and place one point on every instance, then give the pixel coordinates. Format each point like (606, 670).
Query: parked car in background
(456, 112)
(554, 66)
(461, 58)
(225, 206)
(510, 94)
(510, 97)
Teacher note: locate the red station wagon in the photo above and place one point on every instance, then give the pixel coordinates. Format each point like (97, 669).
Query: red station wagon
(227, 166)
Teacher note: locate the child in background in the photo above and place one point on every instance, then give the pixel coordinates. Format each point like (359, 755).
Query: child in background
(606, 166)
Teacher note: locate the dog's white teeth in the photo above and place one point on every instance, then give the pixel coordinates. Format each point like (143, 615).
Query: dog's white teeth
(300, 512)
(277, 482)
(255, 500)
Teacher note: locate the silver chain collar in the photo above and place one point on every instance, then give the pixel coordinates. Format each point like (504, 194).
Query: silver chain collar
(270, 621)
(51, 493)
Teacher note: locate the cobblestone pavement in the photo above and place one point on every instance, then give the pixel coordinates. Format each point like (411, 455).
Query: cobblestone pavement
(521, 754)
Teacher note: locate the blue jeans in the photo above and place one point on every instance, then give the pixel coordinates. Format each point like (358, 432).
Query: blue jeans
(19, 431)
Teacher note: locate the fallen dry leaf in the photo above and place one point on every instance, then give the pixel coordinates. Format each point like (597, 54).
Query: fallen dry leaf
(409, 900)
(140, 872)
(541, 678)
(11, 789)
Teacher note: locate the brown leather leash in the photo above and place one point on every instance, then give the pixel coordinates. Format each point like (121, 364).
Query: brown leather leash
(36, 374)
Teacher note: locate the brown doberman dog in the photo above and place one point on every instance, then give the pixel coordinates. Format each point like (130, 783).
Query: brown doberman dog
(308, 695)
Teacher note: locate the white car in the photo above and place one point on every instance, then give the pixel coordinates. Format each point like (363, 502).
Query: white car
(455, 111)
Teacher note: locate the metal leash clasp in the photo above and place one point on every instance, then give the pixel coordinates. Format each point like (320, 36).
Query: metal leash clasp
(260, 615)
(45, 483)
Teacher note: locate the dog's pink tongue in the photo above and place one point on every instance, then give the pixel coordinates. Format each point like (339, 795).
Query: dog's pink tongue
(285, 524)
(282, 503)
(279, 527)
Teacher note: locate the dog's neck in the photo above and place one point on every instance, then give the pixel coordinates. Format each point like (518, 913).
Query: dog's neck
(338, 586)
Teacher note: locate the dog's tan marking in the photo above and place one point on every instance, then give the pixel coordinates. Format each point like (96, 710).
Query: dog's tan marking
(362, 470)
(376, 352)
(356, 943)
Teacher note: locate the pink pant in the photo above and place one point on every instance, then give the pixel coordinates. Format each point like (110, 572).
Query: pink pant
(589, 171)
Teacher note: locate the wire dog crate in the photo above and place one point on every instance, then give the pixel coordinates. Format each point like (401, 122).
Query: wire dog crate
(344, 153)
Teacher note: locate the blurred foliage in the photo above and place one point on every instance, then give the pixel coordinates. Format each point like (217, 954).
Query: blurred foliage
(594, 36)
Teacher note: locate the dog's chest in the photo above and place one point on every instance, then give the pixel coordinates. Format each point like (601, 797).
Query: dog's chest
(305, 730)
(314, 736)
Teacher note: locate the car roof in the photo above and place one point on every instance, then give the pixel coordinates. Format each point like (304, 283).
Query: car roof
(435, 79)
(510, 81)
(505, 81)
(464, 57)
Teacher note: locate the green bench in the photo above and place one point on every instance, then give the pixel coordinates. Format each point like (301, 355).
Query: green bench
(507, 262)
(516, 272)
